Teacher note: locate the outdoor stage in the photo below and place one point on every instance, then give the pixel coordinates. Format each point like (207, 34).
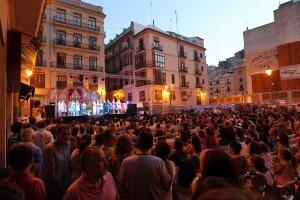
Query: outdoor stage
(86, 118)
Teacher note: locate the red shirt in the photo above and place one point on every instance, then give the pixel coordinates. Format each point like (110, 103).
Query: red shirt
(32, 187)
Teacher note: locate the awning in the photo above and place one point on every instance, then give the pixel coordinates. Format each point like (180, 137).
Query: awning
(28, 55)
(25, 91)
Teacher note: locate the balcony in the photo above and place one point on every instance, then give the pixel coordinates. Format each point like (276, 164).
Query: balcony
(228, 83)
(198, 72)
(61, 85)
(76, 45)
(183, 69)
(40, 63)
(76, 23)
(198, 85)
(76, 66)
(182, 54)
(184, 84)
(140, 48)
(197, 58)
(156, 46)
(147, 63)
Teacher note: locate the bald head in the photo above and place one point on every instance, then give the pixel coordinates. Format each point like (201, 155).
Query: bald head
(27, 135)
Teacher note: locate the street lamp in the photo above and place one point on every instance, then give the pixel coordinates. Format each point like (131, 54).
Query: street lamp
(269, 73)
(169, 90)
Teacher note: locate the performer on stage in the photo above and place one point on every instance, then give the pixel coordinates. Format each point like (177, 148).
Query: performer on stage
(83, 108)
(113, 106)
(98, 107)
(64, 108)
(108, 106)
(94, 108)
(101, 107)
(73, 108)
(59, 109)
(69, 109)
(77, 108)
(119, 106)
(105, 107)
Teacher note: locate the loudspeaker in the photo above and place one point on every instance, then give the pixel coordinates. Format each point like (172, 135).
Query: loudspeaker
(50, 111)
(131, 109)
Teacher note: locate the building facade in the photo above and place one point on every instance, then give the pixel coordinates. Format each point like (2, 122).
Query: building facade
(227, 81)
(275, 47)
(18, 26)
(160, 69)
(70, 62)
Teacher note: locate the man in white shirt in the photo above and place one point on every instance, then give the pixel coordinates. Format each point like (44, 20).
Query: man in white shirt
(41, 136)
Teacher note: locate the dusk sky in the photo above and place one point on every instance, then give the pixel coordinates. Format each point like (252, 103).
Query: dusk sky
(219, 23)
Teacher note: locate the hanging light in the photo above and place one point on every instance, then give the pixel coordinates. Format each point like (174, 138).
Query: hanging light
(28, 72)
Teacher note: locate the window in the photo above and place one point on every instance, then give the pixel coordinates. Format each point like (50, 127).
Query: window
(173, 95)
(77, 62)
(159, 59)
(38, 80)
(202, 68)
(93, 64)
(197, 82)
(158, 94)
(77, 81)
(92, 23)
(183, 82)
(203, 81)
(173, 78)
(182, 65)
(181, 50)
(77, 19)
(141, 73)
(77, 39)
(142, 95)
(92, 43)
(129, 97)
(200, 55)
(39, 59)
(61, 15)
(241, 79)
(61, 82)
(183, 96)
(159, 76)
(61, 37)
(140, 61)
(141, 45)
(61, 60)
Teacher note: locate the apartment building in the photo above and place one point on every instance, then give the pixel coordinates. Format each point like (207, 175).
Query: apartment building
(158, 68)
(70, 62)
(275, 47)
(227, 81)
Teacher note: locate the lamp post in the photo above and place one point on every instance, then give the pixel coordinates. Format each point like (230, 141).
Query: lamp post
(169, 90)
(269, 73)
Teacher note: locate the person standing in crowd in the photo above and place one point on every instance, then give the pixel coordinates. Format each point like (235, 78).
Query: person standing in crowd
(123, 148)
(85, 142)
(38, 111)
(27, 137)
(16, 129)
(143, 176)
(55, 171)
(95, 182)
(179, 154)
(20, 157)
(54, 129)
(109, 138)
(41, 136)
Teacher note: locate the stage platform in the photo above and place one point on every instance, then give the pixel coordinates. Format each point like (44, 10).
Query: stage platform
(86, 118)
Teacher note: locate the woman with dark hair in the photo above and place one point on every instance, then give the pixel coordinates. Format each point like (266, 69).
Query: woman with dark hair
(186, 175)
(219, 164)
(123, 148)
(262, 178)
(163, 150)
(85, 142)
(211, 138)
(195, 147)
(282, 141)
(239, 160)
(254, 149)
(284, 167)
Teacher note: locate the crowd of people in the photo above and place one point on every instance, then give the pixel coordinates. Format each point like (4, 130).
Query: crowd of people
(246, 152)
